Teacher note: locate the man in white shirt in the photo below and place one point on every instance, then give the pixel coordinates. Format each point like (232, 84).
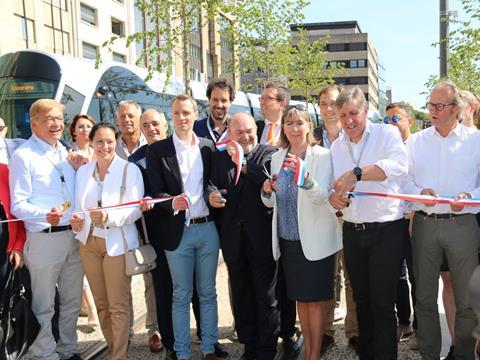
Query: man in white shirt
(42, 187)
(7, 146)
(444, 160)
(128, 121)
(273, 101)
(371, 158)
(178, 166)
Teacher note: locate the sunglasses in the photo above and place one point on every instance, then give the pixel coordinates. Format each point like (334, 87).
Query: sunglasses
(393, 120)
(299, 107)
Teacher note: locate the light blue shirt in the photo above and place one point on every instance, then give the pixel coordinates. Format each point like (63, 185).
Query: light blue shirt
(36, 185)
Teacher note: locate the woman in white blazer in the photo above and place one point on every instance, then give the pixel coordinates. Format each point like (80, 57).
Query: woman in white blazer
(305, 233)
(101, 233)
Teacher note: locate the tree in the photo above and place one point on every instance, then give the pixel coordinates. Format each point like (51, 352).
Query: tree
(171, 24)
(464, 46)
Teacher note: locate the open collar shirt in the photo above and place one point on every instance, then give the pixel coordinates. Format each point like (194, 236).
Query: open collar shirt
(36, 185)
(382, 147)
(190, 164)
(449, 165)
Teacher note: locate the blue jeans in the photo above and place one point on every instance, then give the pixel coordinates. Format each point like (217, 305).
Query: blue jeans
(198, 249)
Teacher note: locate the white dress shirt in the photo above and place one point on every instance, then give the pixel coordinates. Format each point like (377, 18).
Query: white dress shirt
(266, 130)
(122, 149)
(449, 165)
(383, 147)
(36, 185)
(3, 151)
(191, 169)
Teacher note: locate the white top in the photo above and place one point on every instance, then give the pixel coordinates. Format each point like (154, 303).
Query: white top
(266, 130)
(384, 147)
(191, 169)
(3, 151)
(449, 165)
(118, 219)
(319, 229)
(122, 149)
(35, 183)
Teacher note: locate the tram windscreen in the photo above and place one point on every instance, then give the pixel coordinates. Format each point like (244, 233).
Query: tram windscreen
(17, 95)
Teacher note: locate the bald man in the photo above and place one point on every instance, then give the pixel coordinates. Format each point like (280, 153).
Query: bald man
(244, 225)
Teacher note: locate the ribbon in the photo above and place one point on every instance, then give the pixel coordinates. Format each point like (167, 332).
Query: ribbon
(129, 204)
(187, 211)
(444, 200)
(222, 146)
(300, 170)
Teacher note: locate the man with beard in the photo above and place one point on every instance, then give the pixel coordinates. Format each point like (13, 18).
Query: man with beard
(220, 96)
(244, 225)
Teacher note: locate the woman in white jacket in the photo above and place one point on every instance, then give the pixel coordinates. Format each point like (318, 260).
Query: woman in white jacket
(304, 231)
(102, 233)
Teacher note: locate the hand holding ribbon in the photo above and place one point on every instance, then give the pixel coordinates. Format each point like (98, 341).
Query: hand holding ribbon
(77, 223)
(235, 151)
(54, 217)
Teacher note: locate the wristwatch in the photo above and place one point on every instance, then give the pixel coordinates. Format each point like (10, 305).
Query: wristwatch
(357, 171)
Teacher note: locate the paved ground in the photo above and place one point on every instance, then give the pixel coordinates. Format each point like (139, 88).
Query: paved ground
(89, 337)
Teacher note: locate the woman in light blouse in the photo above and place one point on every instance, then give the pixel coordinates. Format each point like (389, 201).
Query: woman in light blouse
(305, 233)
(102, 233)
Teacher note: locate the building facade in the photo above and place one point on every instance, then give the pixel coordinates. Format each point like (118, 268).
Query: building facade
(78, 28)
(352, 49)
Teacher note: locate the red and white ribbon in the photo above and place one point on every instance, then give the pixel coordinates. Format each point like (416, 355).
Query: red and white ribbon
(222, 146)
(445, 200)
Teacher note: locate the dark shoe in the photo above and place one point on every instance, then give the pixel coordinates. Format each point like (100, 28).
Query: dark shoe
(353, 343)
(451, 354)
(211, 356)
(327, 343)
(155, 343)
(220, 351)
(291, 347)
(170, 355)
(75, 357)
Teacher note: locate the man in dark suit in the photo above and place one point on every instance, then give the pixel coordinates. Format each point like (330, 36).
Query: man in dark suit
(245, 227)
(179, 167)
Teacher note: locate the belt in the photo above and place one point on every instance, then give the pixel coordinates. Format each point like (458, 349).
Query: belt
(368, 226)
(448, 216)
(57, 228)
(201, 220)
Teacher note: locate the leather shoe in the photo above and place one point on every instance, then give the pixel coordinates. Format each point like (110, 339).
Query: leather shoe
(327, 343)
(155, 343)
(353, 343)
(451, 354)
(170, 355)
(220, 351)
(291, 347)
(210, 356)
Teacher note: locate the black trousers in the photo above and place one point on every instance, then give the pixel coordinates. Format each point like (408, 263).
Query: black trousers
(373, 257)
(253, 280)
(162, 284)
(287, 307)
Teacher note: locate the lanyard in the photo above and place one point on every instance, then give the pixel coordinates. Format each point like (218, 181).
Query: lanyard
(214, 137)
(350, 150)
(58, 167)
(99, 186)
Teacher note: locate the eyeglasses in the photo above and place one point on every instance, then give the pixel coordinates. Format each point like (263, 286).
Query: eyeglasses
(437, 107)
(393, 120)
(267, 98)
(299, 107)
(51, 119)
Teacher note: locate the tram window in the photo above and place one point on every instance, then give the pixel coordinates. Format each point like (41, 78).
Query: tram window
(73, 102)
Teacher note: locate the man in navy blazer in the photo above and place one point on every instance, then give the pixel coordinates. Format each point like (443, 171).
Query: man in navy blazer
(179, 167)
(245, 227)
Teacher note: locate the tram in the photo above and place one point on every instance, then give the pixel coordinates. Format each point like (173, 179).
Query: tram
(28, 75)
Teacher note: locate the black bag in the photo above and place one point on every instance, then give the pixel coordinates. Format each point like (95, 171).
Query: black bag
(18, 325)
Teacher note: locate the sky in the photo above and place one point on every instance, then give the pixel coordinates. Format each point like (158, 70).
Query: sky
(402, 33)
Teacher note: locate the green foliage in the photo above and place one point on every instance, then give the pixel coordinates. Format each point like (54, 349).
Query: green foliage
(167, 34)
(464, 46)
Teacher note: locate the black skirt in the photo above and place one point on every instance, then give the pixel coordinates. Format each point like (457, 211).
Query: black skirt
(307, 281)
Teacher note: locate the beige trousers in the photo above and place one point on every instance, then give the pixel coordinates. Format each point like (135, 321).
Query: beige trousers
(111, 290)
(351, 326)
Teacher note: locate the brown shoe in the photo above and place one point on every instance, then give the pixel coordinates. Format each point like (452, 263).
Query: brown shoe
(211, 356)
(155, 343)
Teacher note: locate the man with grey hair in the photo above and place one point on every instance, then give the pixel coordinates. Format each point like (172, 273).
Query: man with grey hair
(128, 121)
(370, 157)
(444, 160)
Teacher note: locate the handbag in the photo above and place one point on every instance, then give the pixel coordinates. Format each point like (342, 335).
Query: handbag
(18, 323)
(142, 259)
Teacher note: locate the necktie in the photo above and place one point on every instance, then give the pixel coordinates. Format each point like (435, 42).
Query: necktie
(271, 134)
